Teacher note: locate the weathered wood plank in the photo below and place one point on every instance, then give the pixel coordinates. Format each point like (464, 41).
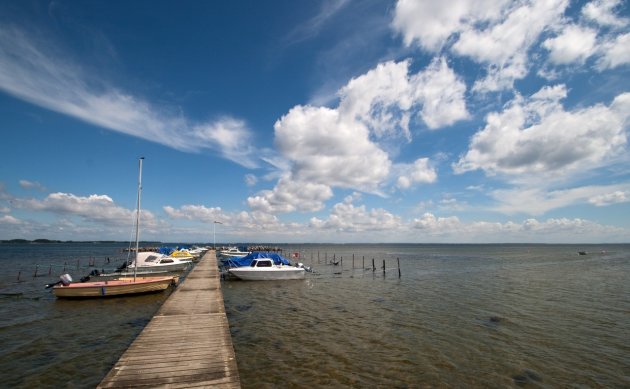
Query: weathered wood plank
(187, 344)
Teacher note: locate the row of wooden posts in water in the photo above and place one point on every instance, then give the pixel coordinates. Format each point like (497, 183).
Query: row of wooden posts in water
(66, 266)
(339, 262)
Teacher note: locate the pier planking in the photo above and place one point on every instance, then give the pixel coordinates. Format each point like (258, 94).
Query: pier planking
(187, 344)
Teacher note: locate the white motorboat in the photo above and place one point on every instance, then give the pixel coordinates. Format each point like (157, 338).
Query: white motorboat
(155, 262)
(233, 252)
(197, 251)
(264, 269)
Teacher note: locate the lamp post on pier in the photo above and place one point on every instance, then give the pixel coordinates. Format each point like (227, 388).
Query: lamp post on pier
(214, 235)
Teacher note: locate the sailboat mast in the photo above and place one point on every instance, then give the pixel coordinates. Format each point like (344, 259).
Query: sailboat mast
(135, 268)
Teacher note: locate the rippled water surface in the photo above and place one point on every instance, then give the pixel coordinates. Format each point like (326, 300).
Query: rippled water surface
(459, 315)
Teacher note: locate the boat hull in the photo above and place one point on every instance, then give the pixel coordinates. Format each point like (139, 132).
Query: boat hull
(125, 274)
(120, 287)
(180, 266)
(268, 274)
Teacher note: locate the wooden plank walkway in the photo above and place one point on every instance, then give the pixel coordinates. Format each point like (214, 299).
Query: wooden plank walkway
(187, 344)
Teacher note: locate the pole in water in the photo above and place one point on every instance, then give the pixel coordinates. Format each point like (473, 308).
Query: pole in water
(383, 268)
(398, 260)
(35, 274)
(373, 266)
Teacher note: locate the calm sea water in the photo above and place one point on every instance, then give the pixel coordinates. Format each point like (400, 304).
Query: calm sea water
(459, 316)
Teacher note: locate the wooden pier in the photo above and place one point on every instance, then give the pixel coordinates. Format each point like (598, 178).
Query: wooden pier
(187, 343)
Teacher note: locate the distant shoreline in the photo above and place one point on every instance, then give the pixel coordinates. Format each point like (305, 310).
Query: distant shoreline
(159, 243)
(47, 241)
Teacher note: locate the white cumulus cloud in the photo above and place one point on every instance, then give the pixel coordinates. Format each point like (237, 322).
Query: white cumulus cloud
(574, 45)
(291, 195)
(603, 12)
(497, 34)
(93, 208)
(537, 138)
(615, 52)
(420, 171)
(346, 146)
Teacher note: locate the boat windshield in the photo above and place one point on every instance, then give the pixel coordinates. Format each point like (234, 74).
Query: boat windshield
(263, 263)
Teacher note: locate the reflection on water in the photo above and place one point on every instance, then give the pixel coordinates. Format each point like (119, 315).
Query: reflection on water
(460, 315)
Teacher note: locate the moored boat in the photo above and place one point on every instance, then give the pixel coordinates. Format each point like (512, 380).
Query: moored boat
(121, 286)
(148, 262)
(261, 266)
(182, 254)
(233, 252)
(265, 270)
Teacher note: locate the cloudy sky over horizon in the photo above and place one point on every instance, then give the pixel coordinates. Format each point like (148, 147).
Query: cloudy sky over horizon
(326, 121)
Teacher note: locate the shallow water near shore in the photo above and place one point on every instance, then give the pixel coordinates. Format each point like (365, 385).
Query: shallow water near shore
(459, 315)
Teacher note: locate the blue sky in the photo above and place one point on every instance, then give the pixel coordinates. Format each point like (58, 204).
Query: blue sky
(316, 121)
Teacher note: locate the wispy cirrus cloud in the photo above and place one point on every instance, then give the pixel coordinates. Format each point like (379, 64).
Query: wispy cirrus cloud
(313, 26)
(538, 201)
(35, 71)
(26, 184)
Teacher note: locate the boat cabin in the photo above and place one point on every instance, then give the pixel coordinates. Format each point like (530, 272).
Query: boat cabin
(262, 262)
(156, 259)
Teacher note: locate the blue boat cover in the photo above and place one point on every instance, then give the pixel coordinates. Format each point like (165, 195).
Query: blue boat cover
(248, 259)
(166, 250)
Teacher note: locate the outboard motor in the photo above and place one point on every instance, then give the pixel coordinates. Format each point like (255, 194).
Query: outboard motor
(307, 268)
(65, 279)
